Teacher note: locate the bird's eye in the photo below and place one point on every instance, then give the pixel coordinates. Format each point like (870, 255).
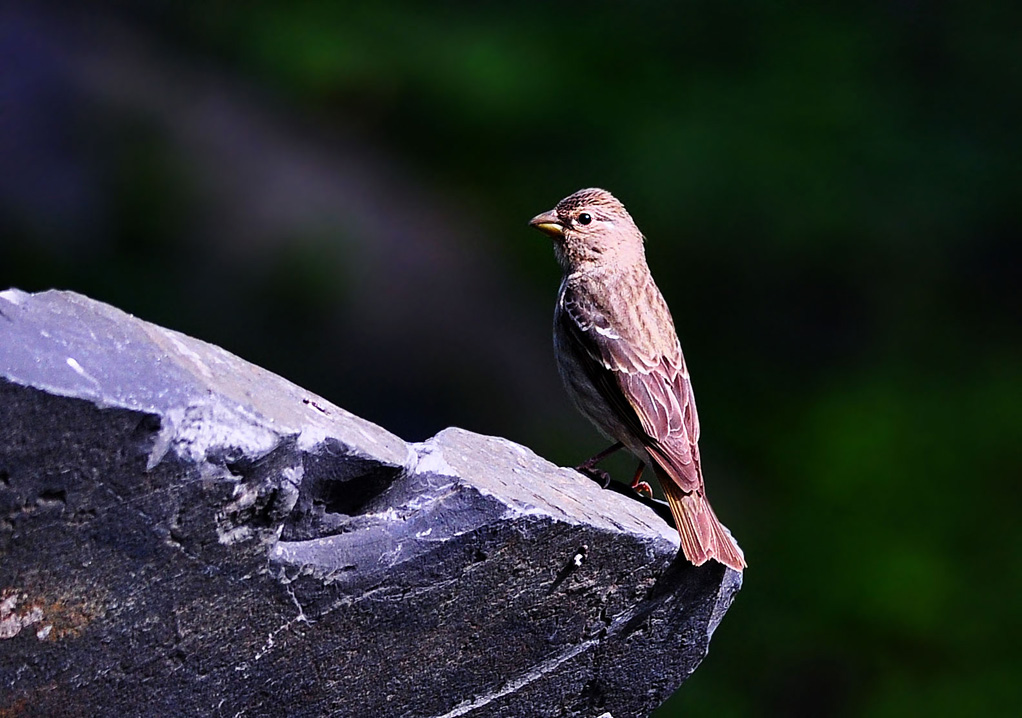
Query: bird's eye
(584, 218)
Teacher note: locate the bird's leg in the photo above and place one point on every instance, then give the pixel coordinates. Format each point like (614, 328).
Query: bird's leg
(588, 467)
(639, 486)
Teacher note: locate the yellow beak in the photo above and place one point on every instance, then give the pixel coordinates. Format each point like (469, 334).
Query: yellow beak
(548, 223)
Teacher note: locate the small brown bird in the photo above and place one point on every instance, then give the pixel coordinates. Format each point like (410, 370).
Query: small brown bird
(621, 361)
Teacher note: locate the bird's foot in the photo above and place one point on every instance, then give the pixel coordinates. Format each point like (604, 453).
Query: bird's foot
(588, 467)
(643, 489)
(638, 485)
(598, 475)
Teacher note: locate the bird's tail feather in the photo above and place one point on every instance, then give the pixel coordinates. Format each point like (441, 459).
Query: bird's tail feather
(703, 536)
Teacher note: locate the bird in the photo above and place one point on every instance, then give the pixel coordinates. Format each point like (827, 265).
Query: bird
(621, 362)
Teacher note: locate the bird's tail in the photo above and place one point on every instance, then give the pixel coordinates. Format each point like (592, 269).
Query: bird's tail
(703, 536)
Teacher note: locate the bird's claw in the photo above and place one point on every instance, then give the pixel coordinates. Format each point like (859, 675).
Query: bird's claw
(643, 489)
(598, 475)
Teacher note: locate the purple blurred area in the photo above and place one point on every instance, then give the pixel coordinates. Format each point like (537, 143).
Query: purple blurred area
(306, 247)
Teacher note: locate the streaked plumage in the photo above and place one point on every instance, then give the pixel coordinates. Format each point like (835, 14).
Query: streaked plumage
(621, 361)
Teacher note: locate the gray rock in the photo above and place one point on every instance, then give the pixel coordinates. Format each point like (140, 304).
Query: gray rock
(183, 533)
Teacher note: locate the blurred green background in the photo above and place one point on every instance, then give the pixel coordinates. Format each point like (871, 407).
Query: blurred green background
(832, 202)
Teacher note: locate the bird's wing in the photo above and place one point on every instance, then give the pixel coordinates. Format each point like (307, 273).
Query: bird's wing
(636, 364)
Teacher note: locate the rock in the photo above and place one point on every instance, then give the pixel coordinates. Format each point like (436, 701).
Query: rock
(183, 533)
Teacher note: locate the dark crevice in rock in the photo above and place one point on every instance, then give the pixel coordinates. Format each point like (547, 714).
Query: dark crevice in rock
(336, 489)
(51, 498)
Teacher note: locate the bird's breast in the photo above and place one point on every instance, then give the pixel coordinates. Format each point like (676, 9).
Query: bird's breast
(572, 366)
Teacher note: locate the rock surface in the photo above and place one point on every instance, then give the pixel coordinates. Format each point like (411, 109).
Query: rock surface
(183, 533)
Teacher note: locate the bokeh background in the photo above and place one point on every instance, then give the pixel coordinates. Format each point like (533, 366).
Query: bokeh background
(340, 192)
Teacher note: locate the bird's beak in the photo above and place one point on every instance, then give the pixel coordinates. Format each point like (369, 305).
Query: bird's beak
(548, 223)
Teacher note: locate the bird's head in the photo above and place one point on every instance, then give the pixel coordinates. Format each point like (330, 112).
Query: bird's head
(590, 229)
